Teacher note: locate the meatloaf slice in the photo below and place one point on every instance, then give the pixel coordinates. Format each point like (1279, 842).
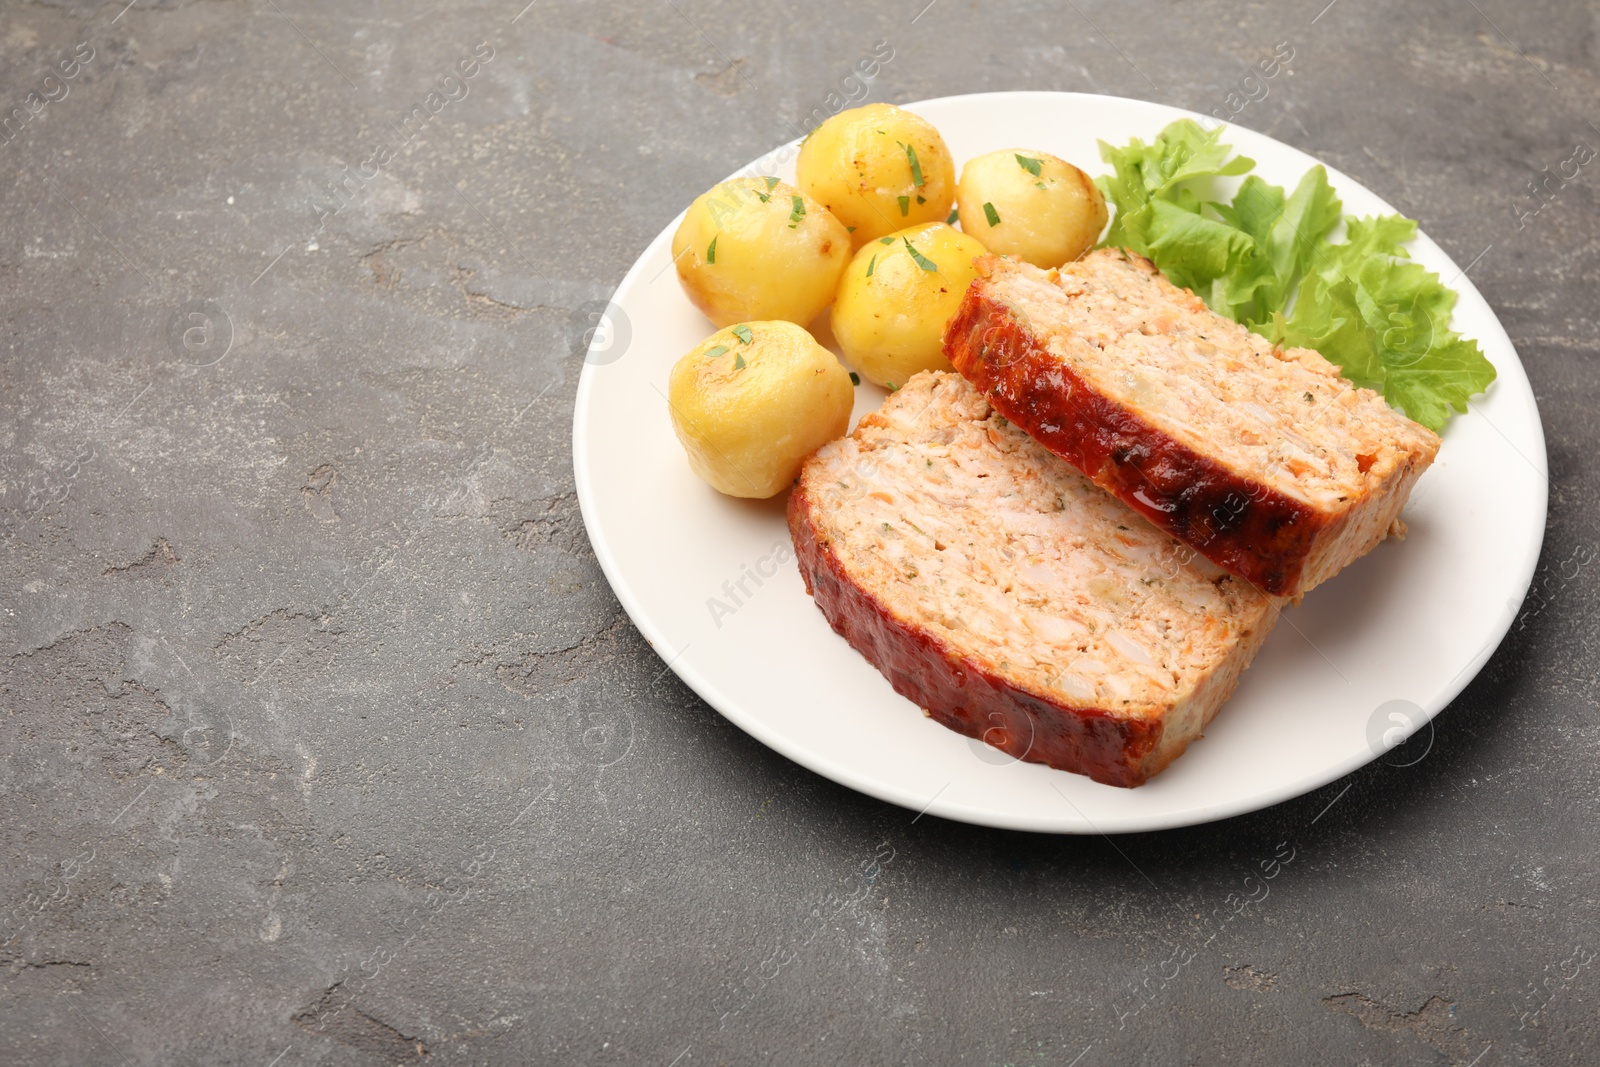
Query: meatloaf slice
(1262, 458)
(1004, 593)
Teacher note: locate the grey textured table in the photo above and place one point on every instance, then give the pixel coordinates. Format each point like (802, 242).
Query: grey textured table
(325, 740)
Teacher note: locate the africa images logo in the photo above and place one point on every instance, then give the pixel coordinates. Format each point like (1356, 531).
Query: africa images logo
(1402, 730)
(199, 333)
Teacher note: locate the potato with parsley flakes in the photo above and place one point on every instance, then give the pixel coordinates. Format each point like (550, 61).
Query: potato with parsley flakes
(752, 401)
(1031, 205)
(879, 168)
(756, 248)
(896, 296)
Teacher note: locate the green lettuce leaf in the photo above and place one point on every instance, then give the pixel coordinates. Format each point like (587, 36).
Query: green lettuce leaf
(1146, 173)
(1291, 238)
(1267, 259)
(1194, 251)
(1405, 348)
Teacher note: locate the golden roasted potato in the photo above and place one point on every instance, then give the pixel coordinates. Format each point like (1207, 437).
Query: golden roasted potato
(752, 401)
(879, 169)
(896, 296)
(755, 248)
(1031, 205)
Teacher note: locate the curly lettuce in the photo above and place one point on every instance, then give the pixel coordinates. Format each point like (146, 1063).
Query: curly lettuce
(1267, 259)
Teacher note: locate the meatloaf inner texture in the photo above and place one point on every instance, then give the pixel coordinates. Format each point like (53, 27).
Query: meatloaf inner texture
(1009, 596)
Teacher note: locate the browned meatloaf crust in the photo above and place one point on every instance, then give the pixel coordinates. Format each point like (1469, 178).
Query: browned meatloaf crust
(1012, 599)
(1264, 459)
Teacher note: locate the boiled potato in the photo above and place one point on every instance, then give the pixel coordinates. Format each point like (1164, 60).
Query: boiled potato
(1031, 205)
(755, 248)
(879, 169)
(896, 296)
(752, 401)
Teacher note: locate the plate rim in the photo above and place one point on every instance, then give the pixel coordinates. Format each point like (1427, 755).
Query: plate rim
(953, 809)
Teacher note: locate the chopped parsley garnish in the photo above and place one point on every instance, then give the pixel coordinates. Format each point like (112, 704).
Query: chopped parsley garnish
(772, 183)
(855, 379)
(849, 229)
(922, 199)
(738, 362)
(711, 251)
(742, 332)
(872, 264)
(916, 167)
(886, 240)
(892, 387)
(713, 353)
(922, 261)
(955, 217)
(798, 212)
(1029, 164)
(991, 214)
(905, 205)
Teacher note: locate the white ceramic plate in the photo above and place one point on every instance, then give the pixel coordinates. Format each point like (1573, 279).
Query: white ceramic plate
(1377, 651)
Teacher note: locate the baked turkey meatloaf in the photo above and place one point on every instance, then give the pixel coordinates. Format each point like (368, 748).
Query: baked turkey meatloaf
(1262, 458)
(1014, 601)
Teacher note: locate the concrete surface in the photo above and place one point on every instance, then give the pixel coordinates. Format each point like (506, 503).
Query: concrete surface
(325, 740)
